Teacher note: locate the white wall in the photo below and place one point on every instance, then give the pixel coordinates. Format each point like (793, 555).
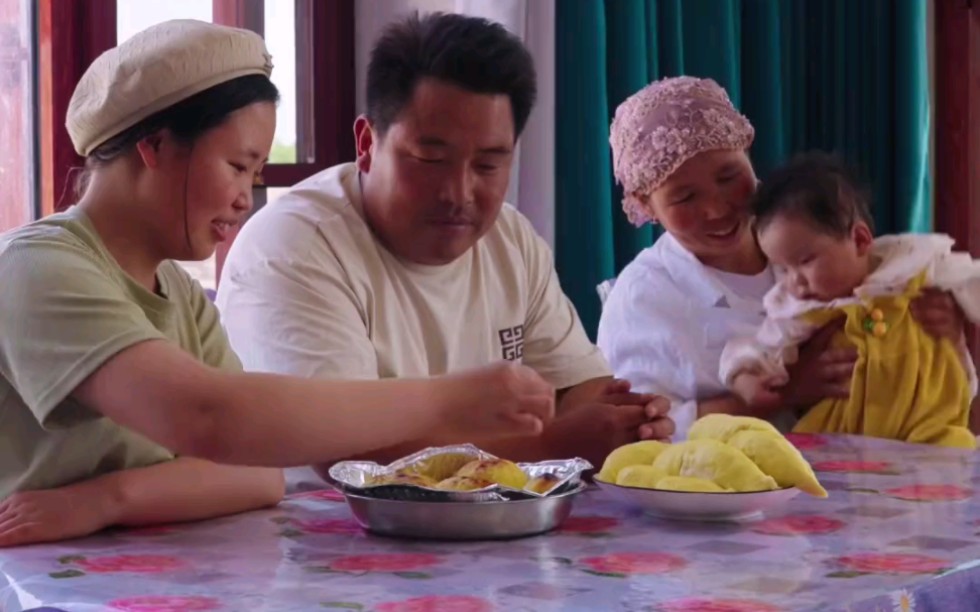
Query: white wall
(370, 16)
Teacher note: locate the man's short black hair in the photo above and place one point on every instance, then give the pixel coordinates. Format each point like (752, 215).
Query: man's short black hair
(469, 52)
(817, 187)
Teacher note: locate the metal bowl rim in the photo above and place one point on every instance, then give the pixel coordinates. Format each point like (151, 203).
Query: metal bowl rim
(582, 486)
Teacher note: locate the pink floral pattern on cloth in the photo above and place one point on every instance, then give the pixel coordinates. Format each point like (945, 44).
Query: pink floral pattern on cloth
(930, 493)
(588, 525)
(798, 525)
(630, 563)
(163, 603)
(665, 124)
(704, 604)
(136, 564)
(805, 442)
(894, 563)
(854, 467)
(437, 603)
(396, 562)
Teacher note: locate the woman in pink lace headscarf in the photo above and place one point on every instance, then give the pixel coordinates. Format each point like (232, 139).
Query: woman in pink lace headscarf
(680, 151)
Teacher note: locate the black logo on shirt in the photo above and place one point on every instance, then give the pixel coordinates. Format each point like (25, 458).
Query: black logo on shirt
(512, 342)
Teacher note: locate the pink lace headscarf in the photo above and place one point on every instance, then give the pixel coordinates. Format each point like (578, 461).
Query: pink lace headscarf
(665, 124)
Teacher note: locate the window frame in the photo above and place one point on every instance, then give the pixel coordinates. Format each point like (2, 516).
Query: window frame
(12, 52)
(324, 66)
(72, 36)
(69, 39)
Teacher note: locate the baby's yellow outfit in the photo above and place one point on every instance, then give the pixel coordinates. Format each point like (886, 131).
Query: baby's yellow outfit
(907, 385)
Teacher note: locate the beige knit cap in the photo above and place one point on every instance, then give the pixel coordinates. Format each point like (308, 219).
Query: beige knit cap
(154, 70)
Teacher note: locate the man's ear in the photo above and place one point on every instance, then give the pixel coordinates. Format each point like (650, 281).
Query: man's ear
(365, 139)
(149, 150)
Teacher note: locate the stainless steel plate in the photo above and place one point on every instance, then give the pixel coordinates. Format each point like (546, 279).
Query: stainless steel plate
(694, 506)
(492, 520)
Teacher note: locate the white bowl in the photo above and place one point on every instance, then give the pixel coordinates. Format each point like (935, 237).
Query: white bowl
(685, 506)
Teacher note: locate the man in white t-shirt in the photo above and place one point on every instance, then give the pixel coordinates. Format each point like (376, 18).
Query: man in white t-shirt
(408, 262)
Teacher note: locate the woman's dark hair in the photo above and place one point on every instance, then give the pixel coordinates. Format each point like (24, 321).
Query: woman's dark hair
(817, 187)
(472, 53)
(187, 120)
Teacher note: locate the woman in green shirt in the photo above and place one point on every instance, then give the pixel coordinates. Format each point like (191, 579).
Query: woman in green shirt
(121, 402)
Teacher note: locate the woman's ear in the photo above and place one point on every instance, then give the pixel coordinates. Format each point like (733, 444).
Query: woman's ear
(644, 203)
(149, 150)
(863, 238)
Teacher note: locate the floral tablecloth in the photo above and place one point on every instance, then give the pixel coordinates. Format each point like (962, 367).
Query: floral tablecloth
(899, 532)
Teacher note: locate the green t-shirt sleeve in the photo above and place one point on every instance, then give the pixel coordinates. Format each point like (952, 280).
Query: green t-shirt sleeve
(215, 347)
(62, 315)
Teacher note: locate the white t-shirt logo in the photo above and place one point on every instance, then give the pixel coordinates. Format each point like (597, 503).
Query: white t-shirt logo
(512, 342)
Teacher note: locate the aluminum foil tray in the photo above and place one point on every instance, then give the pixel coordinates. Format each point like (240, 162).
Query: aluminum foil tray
(366, 478)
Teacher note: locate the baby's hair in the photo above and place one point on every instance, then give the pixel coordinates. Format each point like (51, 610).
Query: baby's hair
(817, 187)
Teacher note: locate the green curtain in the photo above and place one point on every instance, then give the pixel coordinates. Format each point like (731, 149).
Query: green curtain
(848, 76)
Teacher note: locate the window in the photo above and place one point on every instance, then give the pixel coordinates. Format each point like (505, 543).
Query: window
(17, 178)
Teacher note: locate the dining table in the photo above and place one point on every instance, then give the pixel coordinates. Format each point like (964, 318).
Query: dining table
(899, 531)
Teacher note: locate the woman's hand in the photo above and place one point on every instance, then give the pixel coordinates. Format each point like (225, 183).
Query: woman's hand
(504, 399)
(183, 489)
(821, 371)
(33, 517)
(939, 314)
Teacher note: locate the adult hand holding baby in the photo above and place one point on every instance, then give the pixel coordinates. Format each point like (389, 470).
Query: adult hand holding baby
(821, 371)
(939, 314)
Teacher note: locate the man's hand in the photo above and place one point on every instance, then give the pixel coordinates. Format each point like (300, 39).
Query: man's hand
(659, 426)
(595, 428)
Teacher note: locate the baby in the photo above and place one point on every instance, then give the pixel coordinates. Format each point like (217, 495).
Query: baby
(814, 225)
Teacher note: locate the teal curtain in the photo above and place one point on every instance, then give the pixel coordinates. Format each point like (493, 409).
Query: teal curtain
(848, 76)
